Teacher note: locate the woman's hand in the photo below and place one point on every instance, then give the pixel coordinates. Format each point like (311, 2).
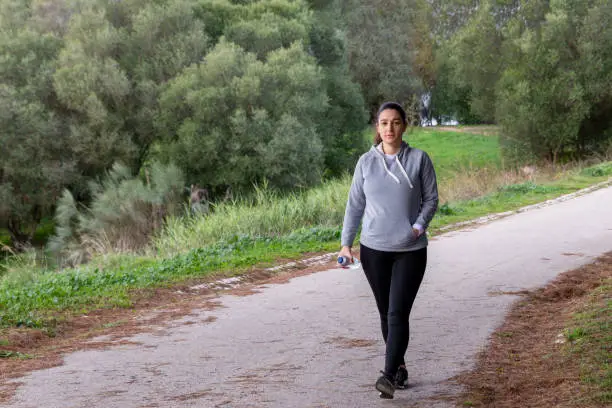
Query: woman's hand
(346, 252)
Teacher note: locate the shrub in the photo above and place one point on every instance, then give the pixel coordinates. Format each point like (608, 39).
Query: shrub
(125, 211)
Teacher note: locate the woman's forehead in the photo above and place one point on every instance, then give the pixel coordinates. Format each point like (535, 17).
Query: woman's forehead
(389, 114)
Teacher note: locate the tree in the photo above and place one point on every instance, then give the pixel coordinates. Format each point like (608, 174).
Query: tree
(34, 163)
(475, 55)
(449, 100)
(341, 126)
(116, 58)
(595, 65)
(450, 16)
(381, 50)
(262, 28)
(472, 49)
(234, 120)
(545, 97)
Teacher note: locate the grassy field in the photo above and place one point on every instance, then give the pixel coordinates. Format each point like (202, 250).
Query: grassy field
(454, 152)
(238, 236)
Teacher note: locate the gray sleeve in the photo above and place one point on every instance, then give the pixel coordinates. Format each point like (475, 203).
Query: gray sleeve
(429, 192)
(355, 206)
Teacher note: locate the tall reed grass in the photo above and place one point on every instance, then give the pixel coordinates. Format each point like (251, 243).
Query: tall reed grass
(268, 213)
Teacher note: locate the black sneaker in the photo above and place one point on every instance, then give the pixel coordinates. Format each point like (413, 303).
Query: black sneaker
(386, 387)
(401, 378)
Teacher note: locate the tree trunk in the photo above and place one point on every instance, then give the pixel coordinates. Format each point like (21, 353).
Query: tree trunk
(20, 240)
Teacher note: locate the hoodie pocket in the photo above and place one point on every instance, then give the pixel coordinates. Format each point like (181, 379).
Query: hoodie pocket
(411, 237)
(398, 233)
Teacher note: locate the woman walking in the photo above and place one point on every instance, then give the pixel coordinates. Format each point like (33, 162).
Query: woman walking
(394, 192)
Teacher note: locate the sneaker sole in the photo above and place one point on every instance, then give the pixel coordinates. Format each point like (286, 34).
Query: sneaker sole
(385, 393)
(382, 395)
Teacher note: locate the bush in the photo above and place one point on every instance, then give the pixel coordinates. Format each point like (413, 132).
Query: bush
(447, 209)
(604, 169)
(124, 213)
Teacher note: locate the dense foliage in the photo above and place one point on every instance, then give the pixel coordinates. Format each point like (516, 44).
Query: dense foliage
(542, 69)
(234, 93)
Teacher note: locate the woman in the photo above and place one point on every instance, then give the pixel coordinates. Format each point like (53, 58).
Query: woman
(394, 190)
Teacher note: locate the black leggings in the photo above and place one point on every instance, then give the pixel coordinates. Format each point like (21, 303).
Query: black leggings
(395, 278)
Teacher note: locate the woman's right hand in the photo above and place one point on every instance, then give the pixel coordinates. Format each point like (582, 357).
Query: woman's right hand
(346, 252)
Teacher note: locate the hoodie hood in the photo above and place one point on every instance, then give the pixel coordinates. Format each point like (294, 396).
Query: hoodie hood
(404, 149)
(400, 158)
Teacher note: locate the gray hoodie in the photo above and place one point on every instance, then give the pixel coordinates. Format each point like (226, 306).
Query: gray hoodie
(391, 200)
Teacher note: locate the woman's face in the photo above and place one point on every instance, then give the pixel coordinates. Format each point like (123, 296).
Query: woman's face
(390, 127)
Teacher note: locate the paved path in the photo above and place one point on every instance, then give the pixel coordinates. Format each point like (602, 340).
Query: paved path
(315, 342)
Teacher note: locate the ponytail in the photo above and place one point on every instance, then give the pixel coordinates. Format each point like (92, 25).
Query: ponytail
(377, 138)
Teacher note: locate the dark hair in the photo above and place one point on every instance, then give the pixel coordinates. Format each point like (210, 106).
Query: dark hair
(389, 105)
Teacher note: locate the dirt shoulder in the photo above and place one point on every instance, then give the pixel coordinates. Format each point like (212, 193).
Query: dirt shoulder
(530, 362)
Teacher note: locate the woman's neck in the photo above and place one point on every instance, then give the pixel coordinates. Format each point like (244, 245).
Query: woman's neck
(391, 149)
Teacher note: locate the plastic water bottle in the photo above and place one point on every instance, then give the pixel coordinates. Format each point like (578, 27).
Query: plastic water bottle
(348, 263)
(343, 260)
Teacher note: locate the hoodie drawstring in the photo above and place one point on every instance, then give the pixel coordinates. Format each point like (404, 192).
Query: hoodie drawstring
(389, 172)
(403, 171)
(379, 148)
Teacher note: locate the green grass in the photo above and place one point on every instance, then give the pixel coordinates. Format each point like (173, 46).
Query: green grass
(454, 151)
(113, 324)
(238, 236)
(34, 304)
(14, 354)
(591, 342)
